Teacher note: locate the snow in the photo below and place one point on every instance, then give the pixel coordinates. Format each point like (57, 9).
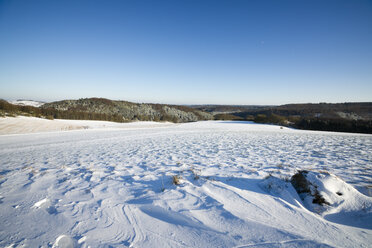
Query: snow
(23, 124)
(27, 103)
(64, 241)
(111, 185)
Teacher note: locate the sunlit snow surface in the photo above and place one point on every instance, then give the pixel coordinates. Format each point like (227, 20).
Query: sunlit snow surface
(27, 103)
(102, 188)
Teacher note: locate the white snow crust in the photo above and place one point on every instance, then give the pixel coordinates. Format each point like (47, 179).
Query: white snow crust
(24, 124)
(27, 103)
(112, 187)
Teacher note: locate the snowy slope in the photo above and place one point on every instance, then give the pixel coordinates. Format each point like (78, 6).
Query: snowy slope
(24, 124)
(103, 188)
(27, 103)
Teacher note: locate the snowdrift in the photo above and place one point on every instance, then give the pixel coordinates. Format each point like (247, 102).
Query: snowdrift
(334, 199)
(324, 194)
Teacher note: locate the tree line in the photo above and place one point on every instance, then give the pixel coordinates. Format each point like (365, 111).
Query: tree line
(305, 123)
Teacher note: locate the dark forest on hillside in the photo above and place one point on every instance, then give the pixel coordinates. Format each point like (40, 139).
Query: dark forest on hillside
(339, 117)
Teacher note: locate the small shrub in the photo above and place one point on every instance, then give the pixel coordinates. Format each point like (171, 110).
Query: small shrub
(176, 180)
(302, 186)
(162, 185)
(268, 176)
(196, 176)
(318, 199)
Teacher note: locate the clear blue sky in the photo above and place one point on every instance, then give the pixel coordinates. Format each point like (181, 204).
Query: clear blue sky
(187, 52)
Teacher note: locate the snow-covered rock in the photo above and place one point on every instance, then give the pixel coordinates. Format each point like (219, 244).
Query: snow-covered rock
(342, 202)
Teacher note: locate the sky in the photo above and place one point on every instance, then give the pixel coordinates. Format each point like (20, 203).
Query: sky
(187, 51)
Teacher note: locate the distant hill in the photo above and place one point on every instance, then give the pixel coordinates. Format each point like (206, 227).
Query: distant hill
(343, 117)
(105, 109)
(223, 109)
(129, 111)
(347, 111)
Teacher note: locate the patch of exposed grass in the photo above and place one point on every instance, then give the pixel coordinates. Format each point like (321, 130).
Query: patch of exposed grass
(303, 186)
(319, 199)
(195, 174)
(176, 180)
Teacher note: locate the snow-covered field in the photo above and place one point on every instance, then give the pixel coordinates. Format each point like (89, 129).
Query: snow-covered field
(112, 187)
(23, 124)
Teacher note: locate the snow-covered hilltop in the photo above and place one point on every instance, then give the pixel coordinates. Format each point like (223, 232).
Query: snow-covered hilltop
(103, 109)
(126, 111)
(115, 187)
(27, 103)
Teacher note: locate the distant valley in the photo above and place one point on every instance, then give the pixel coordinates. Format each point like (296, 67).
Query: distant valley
(340, 117)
